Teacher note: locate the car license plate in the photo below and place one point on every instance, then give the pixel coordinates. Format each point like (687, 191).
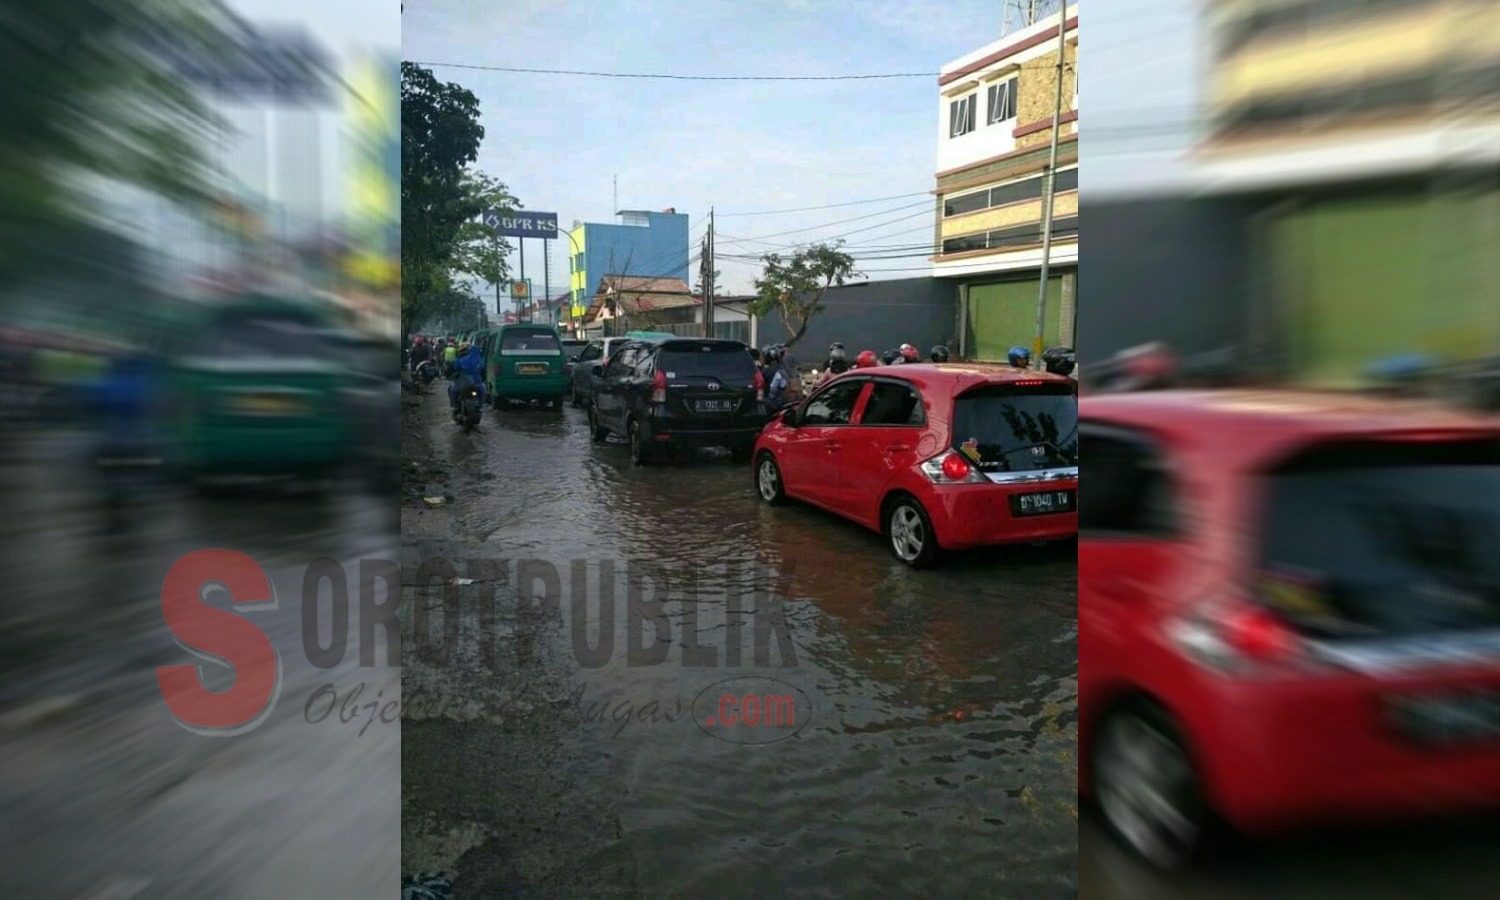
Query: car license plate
(268, 405)
(1042, 503)
(713, 405)
(531, 368)
(1443, 719)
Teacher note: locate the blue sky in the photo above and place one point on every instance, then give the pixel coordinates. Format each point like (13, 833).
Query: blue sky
(558, 141)
(1139, 84)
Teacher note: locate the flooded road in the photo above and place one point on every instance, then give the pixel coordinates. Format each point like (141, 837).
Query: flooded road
(103, 794)
(939, 757)
(1449, 859)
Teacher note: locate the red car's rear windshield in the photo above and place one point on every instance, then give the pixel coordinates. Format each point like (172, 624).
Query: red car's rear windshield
(1018, 427)
(1385, 539)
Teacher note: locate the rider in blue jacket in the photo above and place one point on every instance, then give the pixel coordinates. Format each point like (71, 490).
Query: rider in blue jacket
(470, 366)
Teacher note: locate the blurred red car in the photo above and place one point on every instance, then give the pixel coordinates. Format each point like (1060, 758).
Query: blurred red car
(935, 457)
(1289, 612)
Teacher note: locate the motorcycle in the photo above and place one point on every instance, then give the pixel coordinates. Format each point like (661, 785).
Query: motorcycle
(427, 372)
(467, 413)
(130, 471)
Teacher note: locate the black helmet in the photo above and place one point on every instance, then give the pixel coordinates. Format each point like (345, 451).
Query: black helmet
(939, 354)
(836, 345)
(1060, 360)
(891, 357)
(836, 353)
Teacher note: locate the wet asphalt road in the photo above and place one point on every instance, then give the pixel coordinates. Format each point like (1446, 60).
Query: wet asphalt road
(939, 759)
(103, 794)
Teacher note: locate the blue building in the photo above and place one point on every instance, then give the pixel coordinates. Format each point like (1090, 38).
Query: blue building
(643, 245)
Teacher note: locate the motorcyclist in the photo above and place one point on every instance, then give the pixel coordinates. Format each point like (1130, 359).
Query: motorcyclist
(450, 357)
(891, 357)
(470, 366)
(1019, 357)
(838, 360)
(420, 352)
(867, 360)
(126, 398)
(939, 354)
(776, 378)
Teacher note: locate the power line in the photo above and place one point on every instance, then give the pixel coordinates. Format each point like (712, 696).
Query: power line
(884, 212)
(671, 77)
(773, 212)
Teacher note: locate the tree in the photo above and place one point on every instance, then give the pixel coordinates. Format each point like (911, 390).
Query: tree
(793, 288)
(476, 252)
(440, 135)
(86, 92)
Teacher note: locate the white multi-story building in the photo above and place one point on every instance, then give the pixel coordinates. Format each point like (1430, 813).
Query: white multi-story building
(996, 112)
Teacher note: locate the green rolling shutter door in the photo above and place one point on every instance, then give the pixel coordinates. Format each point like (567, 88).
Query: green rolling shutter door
(1003, 315)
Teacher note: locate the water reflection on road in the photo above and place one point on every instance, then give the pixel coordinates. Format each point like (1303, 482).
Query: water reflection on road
(940, 756)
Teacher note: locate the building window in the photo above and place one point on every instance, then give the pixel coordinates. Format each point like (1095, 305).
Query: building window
(1015, 192)
(1002, 101)
(961, 115)
(966, 203)
(1063, 228)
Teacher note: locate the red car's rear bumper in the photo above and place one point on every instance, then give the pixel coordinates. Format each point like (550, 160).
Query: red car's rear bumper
(978, 515)
(1277, 755)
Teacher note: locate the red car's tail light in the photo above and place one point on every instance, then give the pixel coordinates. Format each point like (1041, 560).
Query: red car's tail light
(1236, 637)
(659, 388)
(950, 467)
(1260, 635)
(954, 467)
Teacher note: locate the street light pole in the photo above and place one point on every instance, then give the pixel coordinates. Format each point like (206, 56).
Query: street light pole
(1051, 180)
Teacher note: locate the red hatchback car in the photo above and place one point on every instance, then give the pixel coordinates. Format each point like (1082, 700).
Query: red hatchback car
(935, 457)
(1289, 613)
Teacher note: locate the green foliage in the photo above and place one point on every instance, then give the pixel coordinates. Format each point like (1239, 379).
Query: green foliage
(440, 135)
(84, 96)
(476, 252)
(793, 288)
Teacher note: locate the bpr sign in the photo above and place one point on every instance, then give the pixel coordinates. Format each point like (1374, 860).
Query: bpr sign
(522, 224)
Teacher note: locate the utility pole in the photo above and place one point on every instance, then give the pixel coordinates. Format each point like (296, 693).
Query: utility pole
(1051, 181)
(615, 206)
(522, 243)
(499, 276)
(708, 278)
(546, 273)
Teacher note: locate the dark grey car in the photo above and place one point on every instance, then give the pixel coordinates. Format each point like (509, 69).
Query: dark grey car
(582, 385)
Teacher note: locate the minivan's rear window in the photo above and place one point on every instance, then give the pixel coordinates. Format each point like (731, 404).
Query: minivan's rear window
(1385, 539)
(706, 359)
(523, 339)
(272, 338)
(1017, 428)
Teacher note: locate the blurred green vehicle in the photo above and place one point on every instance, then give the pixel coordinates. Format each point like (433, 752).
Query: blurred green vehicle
(526, 363)
(257, 386)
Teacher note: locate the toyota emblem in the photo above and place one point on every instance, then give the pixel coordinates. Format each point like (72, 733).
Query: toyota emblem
(1038, 451)
(713, 385)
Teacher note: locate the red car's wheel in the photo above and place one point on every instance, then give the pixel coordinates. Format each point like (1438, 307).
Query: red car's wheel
(1147, 788)
(909, 533)
(768, 480)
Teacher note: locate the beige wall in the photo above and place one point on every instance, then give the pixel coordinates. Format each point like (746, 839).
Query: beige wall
(1038, 94)
(1006, 216)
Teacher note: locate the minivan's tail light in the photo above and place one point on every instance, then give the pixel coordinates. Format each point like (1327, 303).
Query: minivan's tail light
(760, 387)
(659, 388)
(1236, 637)
(951, 468)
